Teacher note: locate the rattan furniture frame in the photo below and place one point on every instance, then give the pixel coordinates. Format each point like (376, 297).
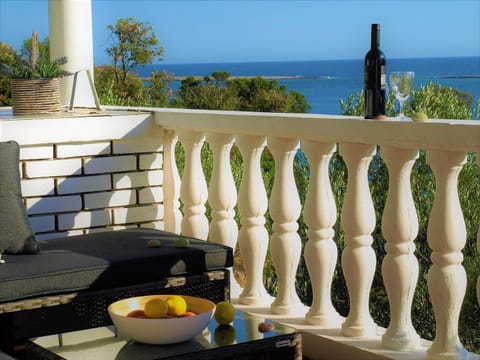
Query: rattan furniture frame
(24, 319)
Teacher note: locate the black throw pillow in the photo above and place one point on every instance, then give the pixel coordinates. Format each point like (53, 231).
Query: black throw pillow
(16, 234)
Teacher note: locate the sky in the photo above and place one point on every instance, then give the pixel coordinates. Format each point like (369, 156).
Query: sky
(289, 30)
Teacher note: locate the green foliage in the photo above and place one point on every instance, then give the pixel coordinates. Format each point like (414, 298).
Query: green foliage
(43, 48)
(441, 102)
(7, 58)
(220, 77)
(437, 101)
(159, 91)
(128, 92)
(244, 94)
(133, 43)
(198, 94)
(19, 65)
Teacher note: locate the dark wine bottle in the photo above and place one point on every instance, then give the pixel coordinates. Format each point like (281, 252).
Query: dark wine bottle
(374, 78)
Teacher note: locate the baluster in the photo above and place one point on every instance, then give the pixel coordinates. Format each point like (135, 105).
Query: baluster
(171, 184)
(320, 214)
(285, 208)
(222, 196)
(358, 222)
(446, 235)
(252, 205)
(400, 266)
(193, 191)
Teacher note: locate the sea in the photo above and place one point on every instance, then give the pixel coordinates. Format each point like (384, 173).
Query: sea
(325, 82)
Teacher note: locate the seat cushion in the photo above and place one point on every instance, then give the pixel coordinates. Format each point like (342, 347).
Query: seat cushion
(106, 260)
(16, 235)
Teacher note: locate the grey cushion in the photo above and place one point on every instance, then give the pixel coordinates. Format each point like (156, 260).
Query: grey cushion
(106, 260)
(16, 235)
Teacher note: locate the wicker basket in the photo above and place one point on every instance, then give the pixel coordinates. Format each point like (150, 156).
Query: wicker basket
(34, 96)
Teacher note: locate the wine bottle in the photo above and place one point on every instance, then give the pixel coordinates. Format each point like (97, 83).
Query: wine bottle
(374, 78)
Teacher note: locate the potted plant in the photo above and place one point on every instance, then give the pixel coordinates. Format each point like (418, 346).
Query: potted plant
(35, 83)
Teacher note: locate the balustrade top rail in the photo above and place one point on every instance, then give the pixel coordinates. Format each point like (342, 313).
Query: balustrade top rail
(432, 134)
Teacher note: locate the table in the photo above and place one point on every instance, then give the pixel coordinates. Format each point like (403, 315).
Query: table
(240, 341)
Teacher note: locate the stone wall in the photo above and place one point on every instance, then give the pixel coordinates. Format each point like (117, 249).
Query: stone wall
(75, 188)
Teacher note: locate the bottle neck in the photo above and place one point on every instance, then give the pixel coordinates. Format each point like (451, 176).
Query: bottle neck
(375, 36)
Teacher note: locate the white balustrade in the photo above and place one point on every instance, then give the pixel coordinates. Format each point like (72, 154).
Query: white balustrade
(193, 191)
(358, 139)
(171, 184)
(358, 222)
(446, 236)
(320, 214)
(400, 266)
(252, 205)
(222, 197)
(285, 207)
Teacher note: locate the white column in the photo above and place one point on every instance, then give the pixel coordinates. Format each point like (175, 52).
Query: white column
(193, 191)
(400, 266)
(358, 257)
(171, 184)
(320, 214)
(71, 35)
(252, 206)
(222, 197)
(447, 280)
(286, 245)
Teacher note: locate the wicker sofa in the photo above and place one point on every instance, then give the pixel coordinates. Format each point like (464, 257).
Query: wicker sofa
(66, 284)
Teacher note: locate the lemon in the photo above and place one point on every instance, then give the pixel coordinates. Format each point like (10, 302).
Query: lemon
(177, 306)
(224, 313)
(156, 308)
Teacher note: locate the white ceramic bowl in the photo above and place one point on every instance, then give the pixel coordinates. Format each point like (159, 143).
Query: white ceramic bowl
(161, 331)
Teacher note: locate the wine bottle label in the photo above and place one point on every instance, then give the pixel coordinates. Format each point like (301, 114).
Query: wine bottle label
(383, 81)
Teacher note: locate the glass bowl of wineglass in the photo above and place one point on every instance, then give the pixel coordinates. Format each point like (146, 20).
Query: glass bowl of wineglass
(401, 83)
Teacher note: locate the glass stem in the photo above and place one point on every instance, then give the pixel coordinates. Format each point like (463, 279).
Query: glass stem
(401, 109)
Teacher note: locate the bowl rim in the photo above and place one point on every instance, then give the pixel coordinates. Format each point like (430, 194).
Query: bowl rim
(118, 307)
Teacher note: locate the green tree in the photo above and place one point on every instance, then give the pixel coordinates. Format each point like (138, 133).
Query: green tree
(244, 94)
(159, 90)
(42, 46)
(8, 58)
(110, 92)
(220, 77)
(133, 43)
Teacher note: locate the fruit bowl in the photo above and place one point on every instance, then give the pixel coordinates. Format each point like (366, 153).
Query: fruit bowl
(162, 330)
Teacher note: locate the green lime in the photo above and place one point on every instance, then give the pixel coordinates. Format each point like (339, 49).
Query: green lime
(153, 243)
(419, 116)
(224, 313)
(182, 243)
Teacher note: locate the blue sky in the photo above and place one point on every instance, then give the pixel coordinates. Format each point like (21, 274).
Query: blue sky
(238, 31)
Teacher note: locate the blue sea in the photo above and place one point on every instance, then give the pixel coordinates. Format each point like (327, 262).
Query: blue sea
(325, 82)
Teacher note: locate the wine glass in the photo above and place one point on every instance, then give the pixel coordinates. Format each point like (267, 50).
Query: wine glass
(402, 85)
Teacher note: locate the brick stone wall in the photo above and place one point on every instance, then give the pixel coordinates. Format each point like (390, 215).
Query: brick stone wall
(75, 188)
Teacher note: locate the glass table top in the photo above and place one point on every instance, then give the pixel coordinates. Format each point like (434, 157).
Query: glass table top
(103, 342)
